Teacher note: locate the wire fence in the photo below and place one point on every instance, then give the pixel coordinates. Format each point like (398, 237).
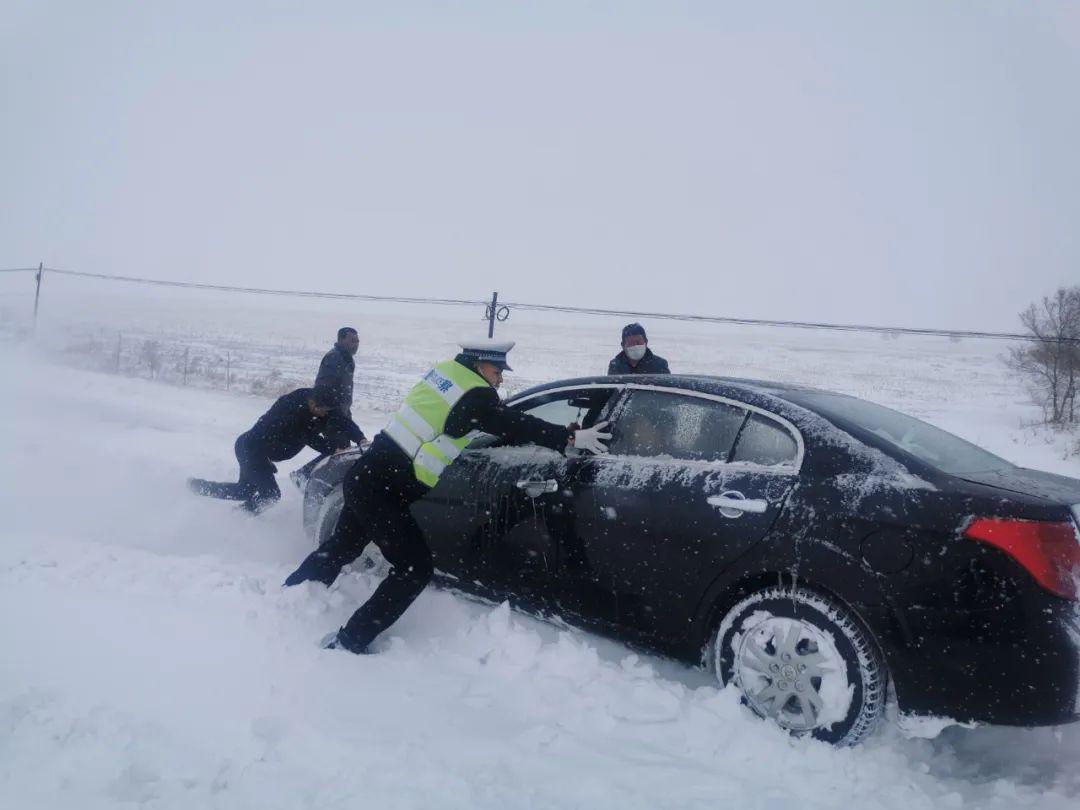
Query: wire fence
(243, 367)
(266, 364)
(239, 363)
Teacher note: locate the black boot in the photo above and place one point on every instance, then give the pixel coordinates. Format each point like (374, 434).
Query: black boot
(341, 641)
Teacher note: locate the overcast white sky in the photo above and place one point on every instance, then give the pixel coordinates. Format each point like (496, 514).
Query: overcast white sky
(913, 163)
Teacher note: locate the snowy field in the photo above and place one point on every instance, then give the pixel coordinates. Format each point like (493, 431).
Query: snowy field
(150, 658)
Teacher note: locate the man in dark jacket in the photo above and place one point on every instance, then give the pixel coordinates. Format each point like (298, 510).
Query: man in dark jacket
(336, 376)
(433, 425)
(296, 420)
(636, 357)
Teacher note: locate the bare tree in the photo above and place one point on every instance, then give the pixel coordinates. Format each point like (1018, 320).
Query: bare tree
(1051, 361)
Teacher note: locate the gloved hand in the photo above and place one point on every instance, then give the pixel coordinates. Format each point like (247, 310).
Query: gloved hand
(592, 439)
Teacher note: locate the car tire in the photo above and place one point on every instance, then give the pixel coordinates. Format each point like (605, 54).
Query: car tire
(371, 560)
(803, 660)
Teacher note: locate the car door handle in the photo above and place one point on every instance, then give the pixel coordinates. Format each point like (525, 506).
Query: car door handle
(732, 504)
(534, 489)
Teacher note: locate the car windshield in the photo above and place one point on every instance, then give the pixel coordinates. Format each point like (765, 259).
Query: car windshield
(929, 444)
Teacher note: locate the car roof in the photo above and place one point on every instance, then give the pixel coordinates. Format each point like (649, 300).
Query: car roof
(824, 440)
(704, 383)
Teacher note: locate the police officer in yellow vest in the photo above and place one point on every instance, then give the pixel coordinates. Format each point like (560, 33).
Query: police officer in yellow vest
(435, 423)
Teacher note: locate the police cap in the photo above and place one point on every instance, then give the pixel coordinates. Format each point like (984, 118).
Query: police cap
(488, 351)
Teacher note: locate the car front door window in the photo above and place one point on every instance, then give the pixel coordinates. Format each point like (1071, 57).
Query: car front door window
(580, 407)
(564, 408)
(558, 412)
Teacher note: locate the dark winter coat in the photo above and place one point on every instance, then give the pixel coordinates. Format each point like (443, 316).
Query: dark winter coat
(289, 426)
(336, 376)
(649, 364)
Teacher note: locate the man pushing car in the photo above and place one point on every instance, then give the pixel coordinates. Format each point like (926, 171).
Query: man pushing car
(296, 420)
(453, 402)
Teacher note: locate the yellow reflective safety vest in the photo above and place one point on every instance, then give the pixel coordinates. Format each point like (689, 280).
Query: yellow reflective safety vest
(417, 426)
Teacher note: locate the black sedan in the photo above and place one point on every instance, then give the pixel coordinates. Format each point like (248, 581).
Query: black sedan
(811, 547)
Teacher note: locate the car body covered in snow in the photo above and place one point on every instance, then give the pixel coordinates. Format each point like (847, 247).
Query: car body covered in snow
(812, 547)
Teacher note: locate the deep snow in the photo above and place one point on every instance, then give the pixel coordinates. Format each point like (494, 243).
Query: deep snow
(150, 656)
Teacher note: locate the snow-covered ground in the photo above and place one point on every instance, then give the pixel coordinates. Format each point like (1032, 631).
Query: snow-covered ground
(149, 656)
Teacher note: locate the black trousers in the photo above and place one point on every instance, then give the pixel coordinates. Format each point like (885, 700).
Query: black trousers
(379, 489)
(257, 487)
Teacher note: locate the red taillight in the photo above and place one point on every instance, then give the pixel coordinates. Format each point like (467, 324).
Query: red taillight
(1050, 552)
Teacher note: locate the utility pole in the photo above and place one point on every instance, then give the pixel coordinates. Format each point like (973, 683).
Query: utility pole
(491, 314)
(37, 292)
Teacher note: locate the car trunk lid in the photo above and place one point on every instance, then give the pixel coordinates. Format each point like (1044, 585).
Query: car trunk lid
(1056, 488)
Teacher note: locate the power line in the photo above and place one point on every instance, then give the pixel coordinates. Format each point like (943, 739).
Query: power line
(907, 330)
(671, 316)
(20, 270)
(194, 285)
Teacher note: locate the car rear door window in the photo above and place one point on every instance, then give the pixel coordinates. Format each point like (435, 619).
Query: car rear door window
(661, 424)
(763, 441)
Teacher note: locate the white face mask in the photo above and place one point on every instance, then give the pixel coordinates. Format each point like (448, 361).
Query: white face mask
(635, 353)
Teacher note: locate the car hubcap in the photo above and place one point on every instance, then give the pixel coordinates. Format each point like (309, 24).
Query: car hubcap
(781, 666)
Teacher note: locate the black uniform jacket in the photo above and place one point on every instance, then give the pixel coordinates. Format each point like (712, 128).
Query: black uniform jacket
(649, 364)
(289, 426)
(481, 409)
(336, 375)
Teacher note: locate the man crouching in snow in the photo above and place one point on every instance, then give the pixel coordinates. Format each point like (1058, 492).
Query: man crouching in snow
(296, 420)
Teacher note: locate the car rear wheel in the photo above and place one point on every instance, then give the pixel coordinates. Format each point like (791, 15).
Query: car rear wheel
(804, 661)
(371, 560)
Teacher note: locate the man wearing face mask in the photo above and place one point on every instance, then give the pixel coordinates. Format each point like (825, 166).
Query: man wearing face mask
(440, 416)
(636, 357)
